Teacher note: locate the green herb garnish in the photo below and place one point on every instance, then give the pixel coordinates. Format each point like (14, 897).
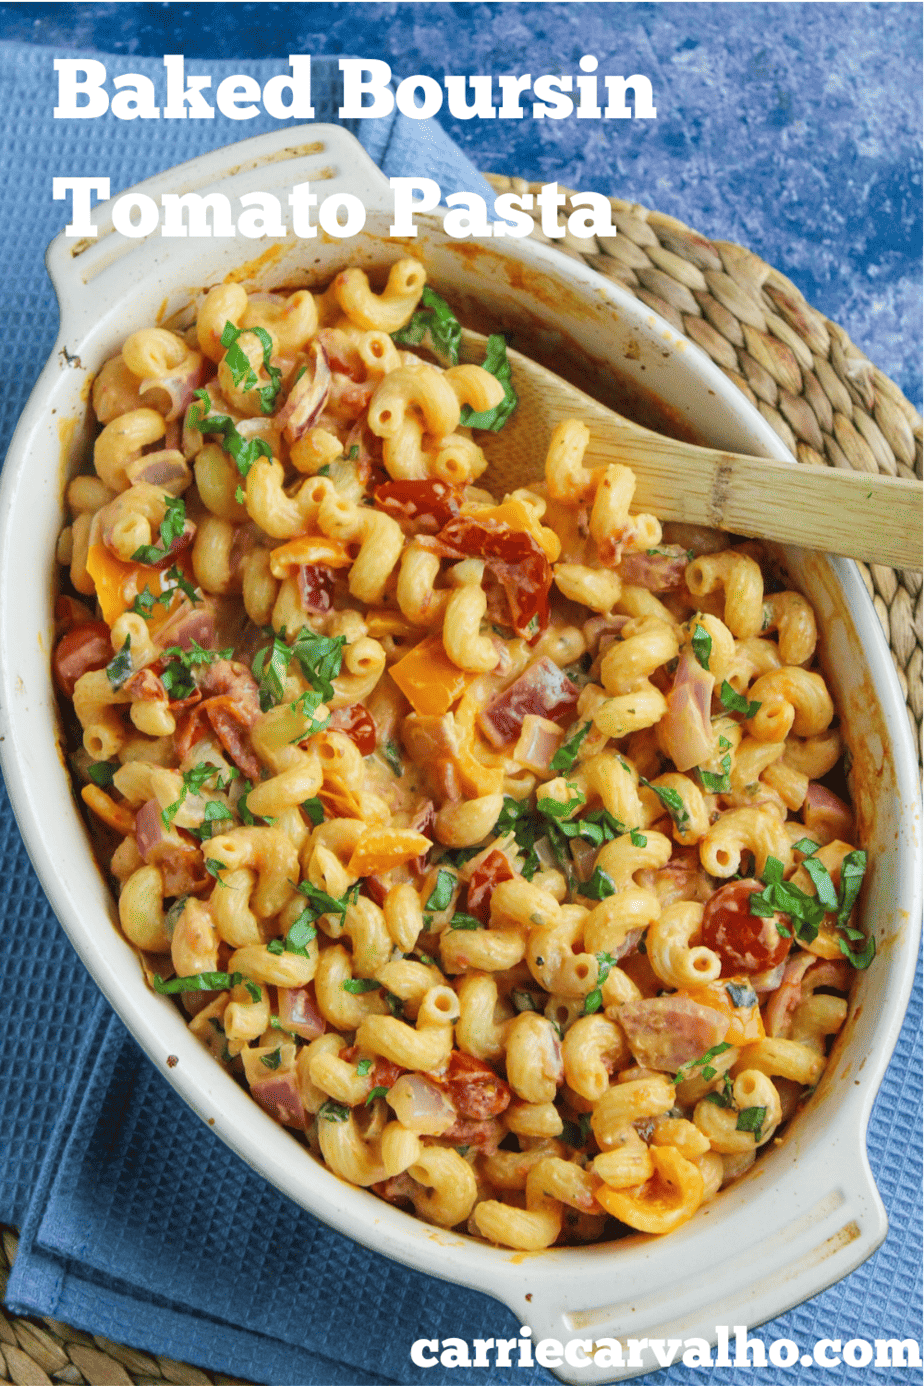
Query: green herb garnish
(708, 1072)
(672, 802)
(496, 364)
(736, 702)
(701, 645)
(242, 373)
(564, 758)
(243, 453)
(436, 326)
(119, 669)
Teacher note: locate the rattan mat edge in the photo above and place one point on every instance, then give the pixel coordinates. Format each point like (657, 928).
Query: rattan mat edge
(829, 404)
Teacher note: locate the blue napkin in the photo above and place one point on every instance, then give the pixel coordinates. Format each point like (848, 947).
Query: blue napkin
(137, 1222)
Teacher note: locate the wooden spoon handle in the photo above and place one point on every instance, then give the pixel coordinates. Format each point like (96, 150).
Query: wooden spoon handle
(875, 518)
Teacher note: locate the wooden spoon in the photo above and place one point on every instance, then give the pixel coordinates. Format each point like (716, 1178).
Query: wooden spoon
(875, 518)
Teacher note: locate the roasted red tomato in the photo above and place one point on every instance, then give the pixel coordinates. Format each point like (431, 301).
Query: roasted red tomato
(515, 559)
(745, 942)
(84, 647)
(474, 1089)
(315, 586)
(494, 869)
(415, 500)
(356, 723)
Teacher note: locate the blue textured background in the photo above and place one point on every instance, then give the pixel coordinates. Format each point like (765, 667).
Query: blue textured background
(794, 129)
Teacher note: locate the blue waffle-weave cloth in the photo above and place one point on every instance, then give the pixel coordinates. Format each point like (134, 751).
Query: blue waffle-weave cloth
(137, 1223)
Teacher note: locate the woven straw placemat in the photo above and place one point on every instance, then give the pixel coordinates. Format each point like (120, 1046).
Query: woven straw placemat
(829, 404)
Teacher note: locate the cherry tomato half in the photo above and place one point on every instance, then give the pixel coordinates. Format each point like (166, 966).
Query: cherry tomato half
(745, 942)
(84, 647)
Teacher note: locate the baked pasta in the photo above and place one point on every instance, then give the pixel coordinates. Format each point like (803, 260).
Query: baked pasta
(487, 841)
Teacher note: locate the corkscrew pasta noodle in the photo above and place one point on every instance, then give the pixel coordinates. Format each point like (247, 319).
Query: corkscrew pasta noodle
(490, 842)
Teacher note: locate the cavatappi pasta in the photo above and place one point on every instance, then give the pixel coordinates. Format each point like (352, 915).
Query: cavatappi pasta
(485, 840)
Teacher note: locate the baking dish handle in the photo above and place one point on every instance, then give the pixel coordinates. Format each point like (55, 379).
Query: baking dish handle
(784, 1260)
(326, 156)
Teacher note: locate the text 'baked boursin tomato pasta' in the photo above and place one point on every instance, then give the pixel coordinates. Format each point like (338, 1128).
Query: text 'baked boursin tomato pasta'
(485, 841)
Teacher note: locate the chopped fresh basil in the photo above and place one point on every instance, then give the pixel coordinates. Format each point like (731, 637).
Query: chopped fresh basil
(716, 784)
(320, 657)
(736, 702)
(395, 1005)
(708, 1072)
(577, 1133)
(102, 771)
(724, 1097)
(464, 921)
(215, 813)
(638, 839)
(193, 782)
(599, 887)
(436, 326)
(214, 868)
(458, 856)
(307, 704)
(239, 494)
(333, 1111)
(741, 994)
(672, 802)
(751, 1119)
(171, 527)
(440, 897)
(392, 755)
(363, 1067)
(824, 886)
(199, 981)
(119, 669)
(322, 903)
(351, 455)
(271, 1060)
(564, 758)
(269, 668)
(314, 809)
(497, 364)
(358, 985)
(552, 808)
(701, 645)
(177, 681)
(196, 655)
(301, 933)
(242, 373)
(594, 1000)
(376, 1092)
(243, 453)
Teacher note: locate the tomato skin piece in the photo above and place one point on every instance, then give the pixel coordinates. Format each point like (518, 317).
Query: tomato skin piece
(493, 870)
(414, 500)
(745, 942)
(81, 649)
(516, 560)
(474, 1089)
(356, 723)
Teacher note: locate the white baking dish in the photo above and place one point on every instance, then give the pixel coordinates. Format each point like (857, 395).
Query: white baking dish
(808, 1213)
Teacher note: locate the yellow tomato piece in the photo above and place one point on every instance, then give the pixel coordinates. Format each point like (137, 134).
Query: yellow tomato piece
(118, 583)
(308, 548)
(518, 515)
(340, 802)
(114, 815)
(382, 848)
(428, 678)
(745, 1023)
(665, 1201)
